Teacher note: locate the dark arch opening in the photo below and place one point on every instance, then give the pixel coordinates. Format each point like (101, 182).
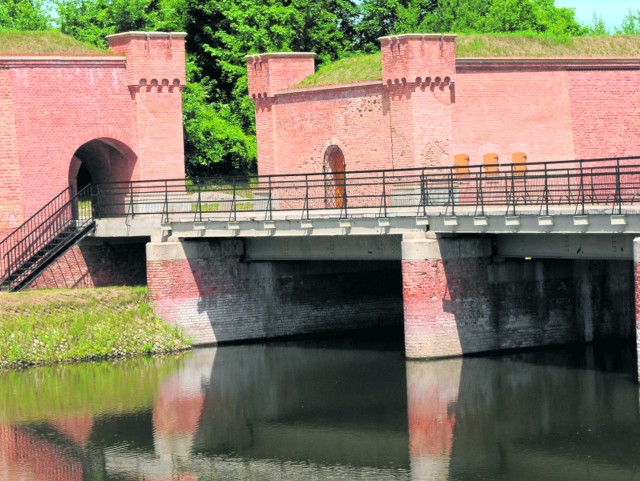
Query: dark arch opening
(84, 177)
(334, 167)
(101, 160)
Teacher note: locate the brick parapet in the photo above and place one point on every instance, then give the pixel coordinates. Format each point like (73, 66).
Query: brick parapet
(270, 73)
(155, 60)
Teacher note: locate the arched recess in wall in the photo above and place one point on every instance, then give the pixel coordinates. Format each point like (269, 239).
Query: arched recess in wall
(333, 168)
(99, 161)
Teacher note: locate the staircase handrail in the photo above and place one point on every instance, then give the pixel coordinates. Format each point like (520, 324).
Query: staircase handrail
(24, 233)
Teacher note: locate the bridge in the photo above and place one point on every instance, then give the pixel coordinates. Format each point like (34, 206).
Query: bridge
(461, 251)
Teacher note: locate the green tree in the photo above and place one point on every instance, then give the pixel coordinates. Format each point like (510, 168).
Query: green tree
(91, 20)
(630, 24)
(23, 15)
(221, 34)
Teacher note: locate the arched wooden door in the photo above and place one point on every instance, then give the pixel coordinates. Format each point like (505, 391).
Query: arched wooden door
(334, 178)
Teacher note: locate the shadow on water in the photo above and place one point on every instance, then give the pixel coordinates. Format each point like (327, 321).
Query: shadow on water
(329, 408)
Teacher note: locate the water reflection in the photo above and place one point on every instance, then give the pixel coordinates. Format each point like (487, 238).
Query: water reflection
(325, 410)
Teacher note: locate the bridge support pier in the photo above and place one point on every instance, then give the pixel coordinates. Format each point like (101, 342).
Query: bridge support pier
(458, 299)
(446, 294)
(636, 271)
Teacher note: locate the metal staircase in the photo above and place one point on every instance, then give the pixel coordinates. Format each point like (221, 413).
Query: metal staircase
(45, 237)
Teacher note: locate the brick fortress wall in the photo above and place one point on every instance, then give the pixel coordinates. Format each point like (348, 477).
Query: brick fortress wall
(430, 106)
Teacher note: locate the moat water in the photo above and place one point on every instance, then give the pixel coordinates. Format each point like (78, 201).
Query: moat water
(326, 409)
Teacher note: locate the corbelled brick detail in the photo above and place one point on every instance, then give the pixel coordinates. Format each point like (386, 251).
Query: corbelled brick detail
(205, 288)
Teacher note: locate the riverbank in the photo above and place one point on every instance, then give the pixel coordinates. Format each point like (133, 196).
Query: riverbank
(67, 325)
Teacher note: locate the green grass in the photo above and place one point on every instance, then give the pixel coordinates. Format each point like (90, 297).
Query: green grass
(217, 206)
(369, 67)
(242, 187)
(45, 43)
(50, 326)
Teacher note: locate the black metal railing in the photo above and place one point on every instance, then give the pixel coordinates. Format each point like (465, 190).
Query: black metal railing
(581, 185)
(46, 234)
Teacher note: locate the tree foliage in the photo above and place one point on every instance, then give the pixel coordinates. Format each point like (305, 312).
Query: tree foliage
(23, 15)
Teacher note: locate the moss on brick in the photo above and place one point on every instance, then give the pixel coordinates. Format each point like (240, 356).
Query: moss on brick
(45, 43)
(369, 67)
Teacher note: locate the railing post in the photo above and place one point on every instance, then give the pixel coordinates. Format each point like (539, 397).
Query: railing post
(269, 201)
(166, 202)
(618, 197)
(232, 214)
(131, 203)
(452, 200)
(199, 201)
(513, 189)
(480, 190)
(305, 209)
(581, 188)
(384, 192)
(345, 197)
(546, 189)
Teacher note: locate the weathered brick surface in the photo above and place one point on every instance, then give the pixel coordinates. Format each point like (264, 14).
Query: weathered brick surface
(94, 265)
(218, 298)
(465, 305)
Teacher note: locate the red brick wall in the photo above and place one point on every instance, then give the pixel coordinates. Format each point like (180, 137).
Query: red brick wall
(273, 72)
(214, 297)
(514, 111)
(51, 106)
(10, 193)
(96, 265)
(428, 107)
(306, 123)
(604, 106)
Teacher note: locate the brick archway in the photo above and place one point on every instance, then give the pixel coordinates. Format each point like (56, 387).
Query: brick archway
(333, 168)
(102, 160)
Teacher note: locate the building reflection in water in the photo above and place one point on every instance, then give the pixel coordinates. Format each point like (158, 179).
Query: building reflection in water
(325, 411)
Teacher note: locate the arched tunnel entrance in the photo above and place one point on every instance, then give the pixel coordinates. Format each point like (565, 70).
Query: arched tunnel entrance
(101, 160)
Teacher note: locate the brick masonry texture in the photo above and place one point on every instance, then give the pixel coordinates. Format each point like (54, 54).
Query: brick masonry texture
(92, 264)
(466, 305)
(215, 297)
(430, 106)
(129, 106)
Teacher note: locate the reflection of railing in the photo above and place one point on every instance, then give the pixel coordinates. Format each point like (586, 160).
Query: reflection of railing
(580, 184)
(45, 235)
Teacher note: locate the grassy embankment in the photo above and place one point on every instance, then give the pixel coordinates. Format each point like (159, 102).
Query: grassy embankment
(45, 43)
(369, 67)
(50, 326)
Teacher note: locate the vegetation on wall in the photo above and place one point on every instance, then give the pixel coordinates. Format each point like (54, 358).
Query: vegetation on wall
(219, 119)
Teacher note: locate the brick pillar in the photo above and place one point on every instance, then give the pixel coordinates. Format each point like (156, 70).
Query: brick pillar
(156, 75)
(432, 394)
(269, 74)
(418, 72)
(636, 270)
(447, 296)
